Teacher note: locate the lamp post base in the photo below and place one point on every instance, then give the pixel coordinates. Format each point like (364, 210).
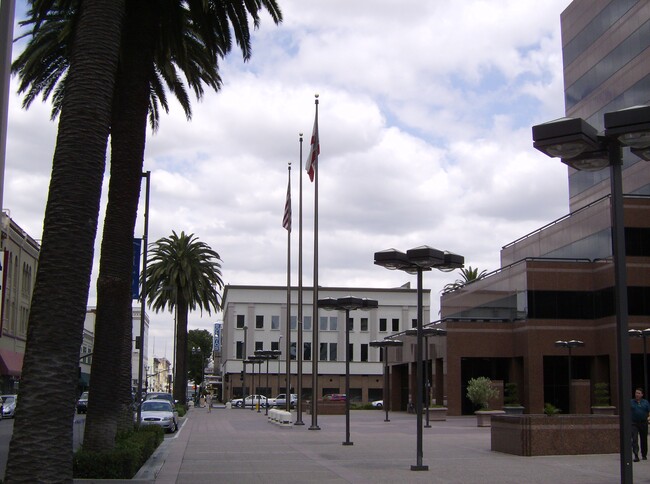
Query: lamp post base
(348, 443)
(314, 427)
(420, 468)
(386, 420)
(299, 422)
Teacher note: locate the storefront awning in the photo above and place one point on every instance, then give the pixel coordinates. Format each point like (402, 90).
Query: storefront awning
(11, 362)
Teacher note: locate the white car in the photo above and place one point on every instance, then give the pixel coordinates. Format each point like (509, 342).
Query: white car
(378, 403)
(159, 412)
(9, 405)
(281, 400)
(251, 400)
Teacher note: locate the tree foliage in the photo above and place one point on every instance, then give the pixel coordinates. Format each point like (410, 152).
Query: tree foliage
(468, 275)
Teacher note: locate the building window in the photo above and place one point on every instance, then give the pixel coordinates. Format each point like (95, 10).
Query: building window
(275, 322)
(350, 324)
(292, 350)
(306, 323)
(275, 345)
(364, 324)
(333, 351)
(306, 351)
(330, 323)
(240, 350)
(414, 323)
(383, 324)
(259, 345)
(294, 323)
(351, 350)
(323, 352)
(364, 352)
(395, 324)
(323, 323)
(259, 321)
(241, 320)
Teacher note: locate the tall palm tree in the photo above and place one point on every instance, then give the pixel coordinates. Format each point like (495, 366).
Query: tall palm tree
(468, 275)
(158, 40)
(183, 274)
(41, 444)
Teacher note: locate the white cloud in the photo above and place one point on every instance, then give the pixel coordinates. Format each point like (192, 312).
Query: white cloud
(425, 111)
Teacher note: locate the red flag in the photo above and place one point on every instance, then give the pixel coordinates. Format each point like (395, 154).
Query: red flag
(286, 220)
(314, 151)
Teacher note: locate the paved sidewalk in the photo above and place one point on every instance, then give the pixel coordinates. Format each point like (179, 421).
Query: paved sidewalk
(241, 446)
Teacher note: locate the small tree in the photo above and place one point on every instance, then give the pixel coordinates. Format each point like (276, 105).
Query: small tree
(601, 394)
(511, 395)
(480, 391)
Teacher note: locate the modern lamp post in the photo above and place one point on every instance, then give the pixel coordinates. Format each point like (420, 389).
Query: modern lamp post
(416, 261)
(384, 345)
(427, 377)
(643, 333)
(347, 304)
(267, 355)
(574, 343)
(580, 146)
(256, 360)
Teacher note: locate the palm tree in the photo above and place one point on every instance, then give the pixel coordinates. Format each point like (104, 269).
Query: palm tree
(183, 274)
(158, 40)
(41, 444)
(468, 275)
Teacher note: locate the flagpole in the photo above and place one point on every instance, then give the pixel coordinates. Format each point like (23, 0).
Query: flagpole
(288, 335)
(299, 344)
(315, 351)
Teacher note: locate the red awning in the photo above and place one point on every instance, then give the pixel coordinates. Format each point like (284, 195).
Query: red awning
(11, 363)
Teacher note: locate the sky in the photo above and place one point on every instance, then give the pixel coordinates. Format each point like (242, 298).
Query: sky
(425, 115)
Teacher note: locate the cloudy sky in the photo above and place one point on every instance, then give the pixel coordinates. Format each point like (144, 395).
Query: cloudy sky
(425, 122)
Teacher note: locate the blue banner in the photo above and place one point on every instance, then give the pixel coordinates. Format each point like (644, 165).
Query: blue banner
(135, 275)
(216, 346)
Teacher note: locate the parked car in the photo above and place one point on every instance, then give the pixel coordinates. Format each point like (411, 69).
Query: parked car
(8, 405)
(82, 403)
(335, 397)
(281, 400)
(159, 412)
(378, 403)
(160, 396)
(250, 400)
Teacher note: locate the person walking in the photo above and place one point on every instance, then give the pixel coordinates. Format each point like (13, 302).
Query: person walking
(640, 411)
(208, 401)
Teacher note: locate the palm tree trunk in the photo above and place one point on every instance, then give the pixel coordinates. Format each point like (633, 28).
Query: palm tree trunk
(180, 370)
(109, 407)
(41, 445)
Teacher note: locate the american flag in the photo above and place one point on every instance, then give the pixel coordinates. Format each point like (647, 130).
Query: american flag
(286, 220)
(314, 150)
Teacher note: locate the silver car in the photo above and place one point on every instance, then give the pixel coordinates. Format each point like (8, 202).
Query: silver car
(159, 412)
(8, 405)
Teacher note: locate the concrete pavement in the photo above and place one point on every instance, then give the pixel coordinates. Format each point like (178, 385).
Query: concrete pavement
(241, 446)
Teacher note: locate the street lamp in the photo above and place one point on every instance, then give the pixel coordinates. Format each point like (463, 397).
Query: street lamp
(267, 355)
(384, 345)
(638, 333)
(580, 146)
(197, 351)
(427, 332)
(255, 360)
(416, 261)
(347, 304)
(574, 343)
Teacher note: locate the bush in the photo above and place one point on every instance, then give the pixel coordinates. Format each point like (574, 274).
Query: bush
(480, 391)
(181, 409)
(601, 394)
(550, 409)
(511, 395)
(130, 453)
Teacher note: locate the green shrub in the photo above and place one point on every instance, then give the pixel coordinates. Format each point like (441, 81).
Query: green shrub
(550, 409)
(181, 409)
(511, 395)
(601, 394)
(480, 391)
(131, 451)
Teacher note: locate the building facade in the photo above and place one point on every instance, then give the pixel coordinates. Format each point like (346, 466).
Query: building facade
(19, 261)
(255, 318)
(557, 283)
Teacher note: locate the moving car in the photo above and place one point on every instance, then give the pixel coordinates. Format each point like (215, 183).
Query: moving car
(250, 400)
(82, 403)
(159, 412)
(8, 406)
(281, 400)
(335, 397)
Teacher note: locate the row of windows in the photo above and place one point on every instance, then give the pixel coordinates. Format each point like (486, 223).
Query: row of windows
(326, 323)
(328, 351)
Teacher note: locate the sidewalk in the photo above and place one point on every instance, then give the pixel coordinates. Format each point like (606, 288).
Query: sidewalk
(240, 446)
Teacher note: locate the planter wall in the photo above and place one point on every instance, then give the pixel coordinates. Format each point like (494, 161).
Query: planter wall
(484, 417)
(437, 414)
(530, 435)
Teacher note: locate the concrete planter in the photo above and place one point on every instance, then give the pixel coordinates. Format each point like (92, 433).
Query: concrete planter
(603, 410)
(484, 417)
(513, 410)
(437, 414)
(529, 435)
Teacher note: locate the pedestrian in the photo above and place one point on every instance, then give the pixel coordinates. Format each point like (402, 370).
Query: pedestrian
(202, 401)
(640, 411)
(208, 401)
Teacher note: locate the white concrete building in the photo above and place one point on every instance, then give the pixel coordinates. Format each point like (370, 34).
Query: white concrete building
(255, 319)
